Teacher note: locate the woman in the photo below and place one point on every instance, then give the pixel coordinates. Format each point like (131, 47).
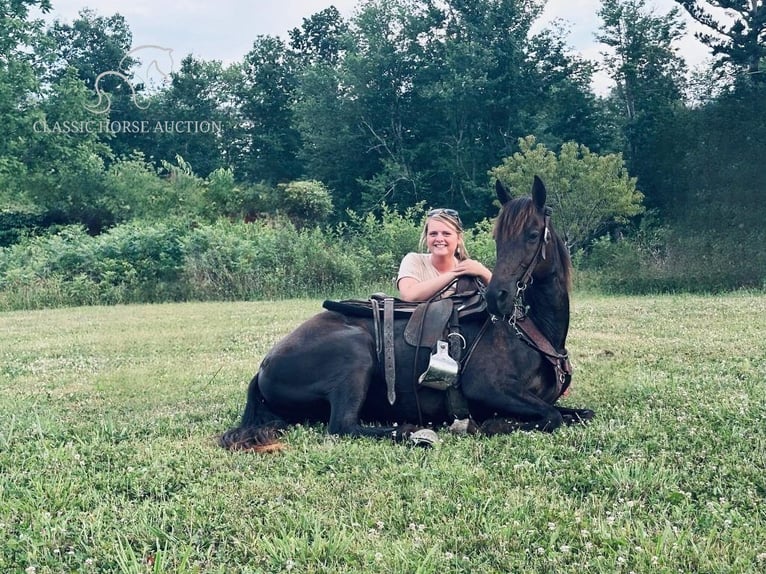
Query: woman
(423, 275)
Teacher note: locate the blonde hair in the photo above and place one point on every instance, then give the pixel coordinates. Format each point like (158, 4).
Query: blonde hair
(446, 217)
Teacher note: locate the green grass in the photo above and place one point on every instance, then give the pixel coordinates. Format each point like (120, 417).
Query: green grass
(108, 462)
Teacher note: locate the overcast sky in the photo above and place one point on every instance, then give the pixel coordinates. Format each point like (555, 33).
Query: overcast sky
(225, 29)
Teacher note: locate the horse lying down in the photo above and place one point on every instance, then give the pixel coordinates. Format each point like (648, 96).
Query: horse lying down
(342, 368)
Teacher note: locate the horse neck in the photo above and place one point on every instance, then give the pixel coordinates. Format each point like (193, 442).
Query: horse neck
(548, 301)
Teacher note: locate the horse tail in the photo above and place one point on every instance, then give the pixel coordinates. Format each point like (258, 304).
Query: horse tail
(259, 429)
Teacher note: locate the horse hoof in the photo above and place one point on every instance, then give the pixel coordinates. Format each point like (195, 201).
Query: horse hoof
(585, 415)
(464, 427)
(424, 437)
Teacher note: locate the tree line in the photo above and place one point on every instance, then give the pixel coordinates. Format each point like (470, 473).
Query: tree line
(406, 102)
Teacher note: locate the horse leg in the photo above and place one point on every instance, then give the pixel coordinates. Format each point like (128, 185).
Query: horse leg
(518, 411)
(575, 416)
(501, 425)
(346, 402)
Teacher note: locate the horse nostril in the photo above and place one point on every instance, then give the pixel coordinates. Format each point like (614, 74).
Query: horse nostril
(497, 301)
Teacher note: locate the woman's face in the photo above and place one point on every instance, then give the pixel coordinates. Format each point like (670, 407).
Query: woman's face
(441, 238)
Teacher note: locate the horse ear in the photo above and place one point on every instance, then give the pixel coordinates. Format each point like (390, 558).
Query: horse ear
(502, 192)
(539, 193)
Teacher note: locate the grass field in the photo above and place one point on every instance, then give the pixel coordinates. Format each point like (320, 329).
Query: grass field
(108, 462)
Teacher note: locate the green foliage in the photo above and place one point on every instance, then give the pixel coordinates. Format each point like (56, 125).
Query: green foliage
(655, 258)
(129, 263)
(90, 45)
(65, 164)
(264, 260)
(649, 77)
(738, 45)
(15, 223)
(480, 242)
(404, 102)
(170, 261)
(133, 189)
(305, 201)
(229, 198)
(184, 193)
(266, 143)
(588, 192)
(381, 242)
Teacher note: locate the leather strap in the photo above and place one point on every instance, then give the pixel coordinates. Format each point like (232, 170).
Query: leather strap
(527, 329)
(389, 361)
(376, 326)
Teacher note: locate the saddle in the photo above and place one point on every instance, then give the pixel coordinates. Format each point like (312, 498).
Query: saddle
(429, 324)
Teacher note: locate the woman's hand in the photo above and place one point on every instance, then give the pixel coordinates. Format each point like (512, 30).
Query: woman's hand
(474, 268)
(410, 289)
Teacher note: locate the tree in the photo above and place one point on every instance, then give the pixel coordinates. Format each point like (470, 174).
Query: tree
(648, 94)
(19, 86)
(324, 113)
(484, 85)
(742, 45)
(567, 109)
(200, 93)
(98, 50)
(267, 142)
(322, 38)
(427, 95)
(305, 202)
(588, 192)
(64, 159)
(91, 44)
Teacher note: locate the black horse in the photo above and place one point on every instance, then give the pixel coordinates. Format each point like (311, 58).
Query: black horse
(513, 370)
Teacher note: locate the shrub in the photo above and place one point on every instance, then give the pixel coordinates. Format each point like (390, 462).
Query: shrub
(17, 222)
(266, 259)
(145, 259)
(480, 242)
(133, 189)
(305, 202)
(380, 242)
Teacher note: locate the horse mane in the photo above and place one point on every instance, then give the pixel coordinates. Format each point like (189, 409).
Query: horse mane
(512, 219)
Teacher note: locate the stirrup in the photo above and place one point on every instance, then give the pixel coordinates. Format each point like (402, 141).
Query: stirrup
(442, 372)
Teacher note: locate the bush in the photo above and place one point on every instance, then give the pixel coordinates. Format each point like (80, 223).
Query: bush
(305, 202)
(130, 263)
(656, 260)
(268, 259)
(17, 222)
(272, 258)
(172, 261)
(480, 242)
(380, 242)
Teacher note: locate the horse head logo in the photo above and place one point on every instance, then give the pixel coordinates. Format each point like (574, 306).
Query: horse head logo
(155, 72)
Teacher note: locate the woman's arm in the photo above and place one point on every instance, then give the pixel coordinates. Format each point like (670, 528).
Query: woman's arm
(411, 289)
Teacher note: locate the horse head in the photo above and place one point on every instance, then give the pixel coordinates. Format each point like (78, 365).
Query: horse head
(528, 248)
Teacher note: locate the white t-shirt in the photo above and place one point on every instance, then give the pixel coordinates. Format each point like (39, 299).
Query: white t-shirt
(419, 267)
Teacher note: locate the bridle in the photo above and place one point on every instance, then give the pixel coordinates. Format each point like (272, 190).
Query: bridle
(523, 325)
(526, 278)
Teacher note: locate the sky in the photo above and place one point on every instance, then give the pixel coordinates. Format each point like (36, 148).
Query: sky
(225, 29)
